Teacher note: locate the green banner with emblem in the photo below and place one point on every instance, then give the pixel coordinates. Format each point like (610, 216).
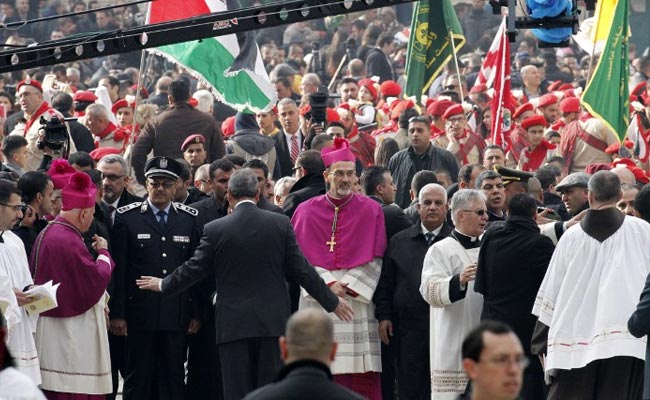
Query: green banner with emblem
(430, 44)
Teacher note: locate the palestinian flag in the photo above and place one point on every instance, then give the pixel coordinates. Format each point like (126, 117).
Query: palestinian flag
(231, 65)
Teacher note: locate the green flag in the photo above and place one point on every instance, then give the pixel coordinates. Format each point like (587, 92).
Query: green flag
(429, 48)
(607, 95)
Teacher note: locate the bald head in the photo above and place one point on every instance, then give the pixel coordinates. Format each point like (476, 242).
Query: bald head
(624, 175)
(162, 85)
(431, 188)
(309, 335)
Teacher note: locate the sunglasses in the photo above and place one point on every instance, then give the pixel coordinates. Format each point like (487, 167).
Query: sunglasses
(480, 213)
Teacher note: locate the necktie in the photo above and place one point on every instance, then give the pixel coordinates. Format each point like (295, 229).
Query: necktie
(111, 214)
(161, 218)
(429, 236)
(294, 148)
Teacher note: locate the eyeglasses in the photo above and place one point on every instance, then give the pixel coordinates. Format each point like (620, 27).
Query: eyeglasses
(341, 174)
(112, 177)
(419, 118)
(480, 212)
(156, 185)
(18, 207)
(505, 361)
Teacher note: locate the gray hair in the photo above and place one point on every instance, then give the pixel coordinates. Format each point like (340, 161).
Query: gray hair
(73, 71)
(243, 183)
(112, 159)
(463, 199)
(283, 185)
(311, 79)
(431, 187)
(97, 111)
(287, 101)
(202, 173)
(605, 186)
(205, 100)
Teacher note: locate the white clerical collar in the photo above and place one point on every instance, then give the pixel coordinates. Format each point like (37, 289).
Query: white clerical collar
(435, 232)
(244, 201)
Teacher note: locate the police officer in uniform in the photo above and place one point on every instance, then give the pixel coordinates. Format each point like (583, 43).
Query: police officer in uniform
(153, 237)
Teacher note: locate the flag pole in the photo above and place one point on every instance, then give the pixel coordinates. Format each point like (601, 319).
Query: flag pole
(593, 49)
(453, 49)
(338, 70)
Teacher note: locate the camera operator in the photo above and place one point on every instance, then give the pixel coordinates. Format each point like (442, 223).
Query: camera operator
(53, 140)
(35, 108)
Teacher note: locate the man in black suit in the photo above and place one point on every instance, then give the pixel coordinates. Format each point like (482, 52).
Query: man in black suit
(377, 184)
(402, 313)
(288, 143)
(114, 183)
(252, 305)
(309, 170)
(308, 349)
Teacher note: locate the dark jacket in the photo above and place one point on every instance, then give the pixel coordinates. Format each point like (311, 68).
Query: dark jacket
(194, 195)
(81, 136)
(512, 263)
(554, 202)
(639, 325)
(303, 379)
(310, 185)
(142, 247)
(397, 297)
(402, 167)
(167, 131)
(252, 300)
(394, 218)
(284, 165)
(264, 204)
(378, 64)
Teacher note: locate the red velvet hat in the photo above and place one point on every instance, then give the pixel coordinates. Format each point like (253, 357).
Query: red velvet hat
(390, 89)
(79, 192)
(29, 82)
(570, 104)
(522, 109)
(456, 109)
(121, 103)
(438, 107)
(547, 100)
(535, 120)
(100, 152)
(339, 151)
(60, 172)
(85, 96)
(228, 126)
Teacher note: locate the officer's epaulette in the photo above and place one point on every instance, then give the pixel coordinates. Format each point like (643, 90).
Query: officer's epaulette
(192, 211)
(129, 207)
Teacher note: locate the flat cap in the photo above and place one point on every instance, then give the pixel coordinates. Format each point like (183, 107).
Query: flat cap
(576, 179)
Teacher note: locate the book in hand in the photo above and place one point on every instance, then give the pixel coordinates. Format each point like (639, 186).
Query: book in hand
(44, 297)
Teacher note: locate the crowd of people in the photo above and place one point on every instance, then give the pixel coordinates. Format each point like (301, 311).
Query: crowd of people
(426, 262)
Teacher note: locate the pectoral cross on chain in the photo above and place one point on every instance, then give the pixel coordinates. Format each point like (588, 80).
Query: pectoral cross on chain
(331, 244)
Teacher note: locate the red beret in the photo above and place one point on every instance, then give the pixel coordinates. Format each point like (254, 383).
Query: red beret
(566, 86)
(535, 120)
(398, 107)
(595, 167)
(100, 152)
(547, 100)
(522, 109)
(84, 95)
(554, 86)
(228, 126)
(390, 89)
(193, 102)
(370, 85)
(122, 103)
(332, 115)
(29, 82)
(144, 93)
(478, 88)
(640, 175)
(569, 93)
(629, 164)
(570, 105)
(456, 109)
(195, 138)
(438, 107)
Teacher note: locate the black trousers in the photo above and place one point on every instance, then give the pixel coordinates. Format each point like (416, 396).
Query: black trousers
(203, 365)
(117, 347)
(248, 364)
(155, 365)
(413, 372)
(619, 378)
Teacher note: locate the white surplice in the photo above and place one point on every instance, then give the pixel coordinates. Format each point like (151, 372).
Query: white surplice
(74, 352)
(359, 349)
(449, 322)
(588, 293)
(15, 385)
(13, 263)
